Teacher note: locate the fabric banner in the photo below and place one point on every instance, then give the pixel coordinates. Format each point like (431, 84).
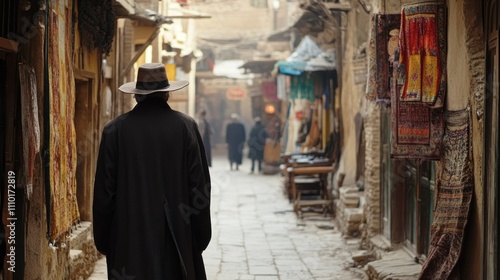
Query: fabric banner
(302, 87)
(30, 123)
(455, 188)
(417, 129)
(63, 202)
(387, 40)
(384, 41)
(423, 52)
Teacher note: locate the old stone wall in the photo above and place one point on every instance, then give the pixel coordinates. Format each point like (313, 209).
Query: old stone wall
(372, 170)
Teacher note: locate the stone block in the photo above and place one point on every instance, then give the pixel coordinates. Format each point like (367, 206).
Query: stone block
(353, 215)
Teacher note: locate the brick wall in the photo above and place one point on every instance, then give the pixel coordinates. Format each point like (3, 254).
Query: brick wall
(372, 170)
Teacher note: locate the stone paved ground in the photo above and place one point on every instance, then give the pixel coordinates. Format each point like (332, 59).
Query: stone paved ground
(256, 236)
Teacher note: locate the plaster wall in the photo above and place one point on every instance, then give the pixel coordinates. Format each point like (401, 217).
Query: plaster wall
(459, 77)
(466, 75)
(352, 97)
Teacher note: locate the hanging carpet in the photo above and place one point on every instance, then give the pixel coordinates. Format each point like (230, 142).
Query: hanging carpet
(454, 194)
(423, 52)
(63, 202)
(384, 40)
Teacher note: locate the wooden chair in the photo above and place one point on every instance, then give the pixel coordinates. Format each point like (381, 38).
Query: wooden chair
(310, 181)
(306, 178)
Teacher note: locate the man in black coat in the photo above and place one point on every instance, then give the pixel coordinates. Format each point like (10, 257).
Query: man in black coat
(235, 140)
(151, 206)
(256, 144)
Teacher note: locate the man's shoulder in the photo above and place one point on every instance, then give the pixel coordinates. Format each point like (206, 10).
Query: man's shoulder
(116, 122)
(184, 118)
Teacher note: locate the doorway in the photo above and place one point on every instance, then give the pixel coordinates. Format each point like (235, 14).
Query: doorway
(85, 143)
(491, 137)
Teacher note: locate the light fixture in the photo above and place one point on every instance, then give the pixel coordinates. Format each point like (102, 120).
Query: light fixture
(270, 109)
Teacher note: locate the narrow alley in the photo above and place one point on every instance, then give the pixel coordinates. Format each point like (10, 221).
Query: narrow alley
(257, 236)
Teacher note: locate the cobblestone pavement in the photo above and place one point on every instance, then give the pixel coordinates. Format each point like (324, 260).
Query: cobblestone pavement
(257, 236)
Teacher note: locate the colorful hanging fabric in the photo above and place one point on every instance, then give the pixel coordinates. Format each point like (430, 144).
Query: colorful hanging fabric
(30, 123)
(269, 90)
(384, 40)
(302, 87)
(455, 188)
(387, 40)
(417, 129)
(63, 202)
(423, 52)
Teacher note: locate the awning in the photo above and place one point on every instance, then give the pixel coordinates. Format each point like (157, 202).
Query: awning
(231, 69)
(308, 57)
(280, 35)
(177, 11)
(259, 66)
(123, 8)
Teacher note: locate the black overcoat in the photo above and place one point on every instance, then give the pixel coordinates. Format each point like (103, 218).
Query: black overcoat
(235, 139)
(151, 206)
(257, 141)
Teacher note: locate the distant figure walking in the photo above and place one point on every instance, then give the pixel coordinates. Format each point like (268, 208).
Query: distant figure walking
(235, 140)
(256, 143)
(206, 133)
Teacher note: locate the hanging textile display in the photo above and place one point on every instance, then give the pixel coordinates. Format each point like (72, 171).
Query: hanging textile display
(384, 40)
(298, 126)
(302, 87)
(63, 202)
(387, 40)
(455, 188)
(30, 124)
(423, 52)
(417, 129)
(419, 83)
(96, 23)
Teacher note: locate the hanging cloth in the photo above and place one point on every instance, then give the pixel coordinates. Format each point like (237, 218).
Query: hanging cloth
(423, 52)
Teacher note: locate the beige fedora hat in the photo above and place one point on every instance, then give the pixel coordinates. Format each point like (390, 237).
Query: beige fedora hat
(152, 77)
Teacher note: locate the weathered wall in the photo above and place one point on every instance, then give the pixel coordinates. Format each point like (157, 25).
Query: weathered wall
(372, 169)
(352, 96)
(466, 64)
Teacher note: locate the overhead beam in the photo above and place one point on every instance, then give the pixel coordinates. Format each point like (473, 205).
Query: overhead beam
(345, 7)
(139, 53)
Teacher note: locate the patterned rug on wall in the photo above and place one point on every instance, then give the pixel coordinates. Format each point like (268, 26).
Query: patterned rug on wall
(422, 46)
(384, 41)
(419, 83)
(454, 194)
(63, 202)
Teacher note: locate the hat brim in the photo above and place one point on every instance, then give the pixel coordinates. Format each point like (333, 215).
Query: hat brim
(130, 88)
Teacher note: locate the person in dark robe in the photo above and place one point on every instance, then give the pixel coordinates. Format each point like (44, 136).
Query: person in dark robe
(235, 140)
(151, 209)
(206, 133)
(256, 144)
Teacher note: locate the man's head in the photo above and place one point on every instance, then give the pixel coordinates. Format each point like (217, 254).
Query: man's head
(152, 79)
(234, 117)
(165, 95)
